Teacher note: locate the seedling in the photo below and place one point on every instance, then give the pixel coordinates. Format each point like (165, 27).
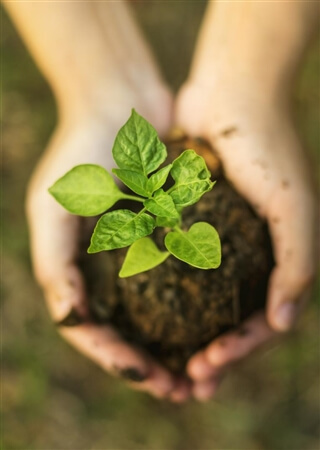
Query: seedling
(89, 190)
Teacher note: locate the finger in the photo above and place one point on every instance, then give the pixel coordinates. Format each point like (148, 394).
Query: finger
(105, 347)
(54, 241)
(205, 390)
(235, 345)
(66, 297)
(229, 348)
(160, 383)
(182, 391)
(199, 369)
(54, 237)
(294, 235)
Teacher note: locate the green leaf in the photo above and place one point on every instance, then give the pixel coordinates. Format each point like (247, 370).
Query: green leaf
(157, 180)
(200, 246)
(192, 179)
(143, 255)
(134, 180)
(167, 222)
(161, 204)
(86, 190)
(119, 229)
(137, 146)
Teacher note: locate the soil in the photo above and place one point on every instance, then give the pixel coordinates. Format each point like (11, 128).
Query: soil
(174, 309)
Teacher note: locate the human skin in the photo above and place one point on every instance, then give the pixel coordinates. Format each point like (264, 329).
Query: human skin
(238, 97)
(97, 77)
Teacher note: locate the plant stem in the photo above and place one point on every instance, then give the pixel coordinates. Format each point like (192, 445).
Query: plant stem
(171, 189)
(177, 228)
(133, 197)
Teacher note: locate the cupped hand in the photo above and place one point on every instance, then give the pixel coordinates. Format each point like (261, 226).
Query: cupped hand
(255, 139)
(55, 236)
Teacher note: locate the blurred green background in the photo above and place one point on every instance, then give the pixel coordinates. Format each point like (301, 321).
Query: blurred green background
(53, 398)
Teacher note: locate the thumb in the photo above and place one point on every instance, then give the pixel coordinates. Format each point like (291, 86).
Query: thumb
(286, 300)
(294, 235)
(66, 297)
(54, 236)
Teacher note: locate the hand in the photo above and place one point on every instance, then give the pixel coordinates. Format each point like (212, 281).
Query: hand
(262, 157)
(96, 78)
(55, 237)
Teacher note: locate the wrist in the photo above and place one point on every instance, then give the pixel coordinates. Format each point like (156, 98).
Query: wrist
(235, 70)
(254, 44)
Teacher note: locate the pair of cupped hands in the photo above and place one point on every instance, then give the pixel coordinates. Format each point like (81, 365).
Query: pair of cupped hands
(251, 130)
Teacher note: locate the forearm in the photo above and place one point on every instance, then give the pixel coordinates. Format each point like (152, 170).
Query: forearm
(87, 51)
(261, 42)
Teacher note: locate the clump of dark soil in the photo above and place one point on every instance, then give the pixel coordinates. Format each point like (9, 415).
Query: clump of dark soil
(174, 309)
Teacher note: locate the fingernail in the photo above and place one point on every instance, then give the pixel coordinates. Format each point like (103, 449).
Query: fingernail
(285, 316)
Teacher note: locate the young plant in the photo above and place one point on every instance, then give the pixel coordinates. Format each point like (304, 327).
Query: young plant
(89, 190)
